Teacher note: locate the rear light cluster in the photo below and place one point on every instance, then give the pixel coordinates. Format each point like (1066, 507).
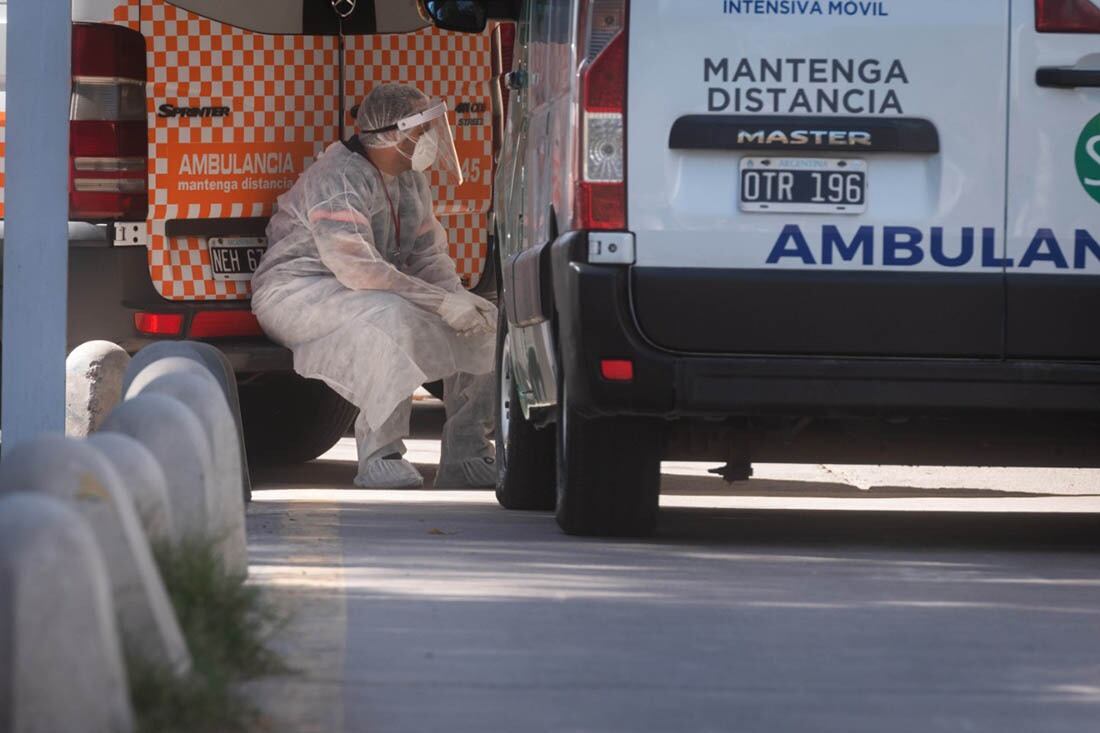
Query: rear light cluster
(108, 147)
(204, 324)
(1067, 16)
(601, 184)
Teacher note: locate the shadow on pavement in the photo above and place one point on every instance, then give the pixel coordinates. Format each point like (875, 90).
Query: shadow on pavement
(882, 529)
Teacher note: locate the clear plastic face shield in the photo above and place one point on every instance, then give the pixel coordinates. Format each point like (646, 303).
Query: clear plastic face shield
(427, 141)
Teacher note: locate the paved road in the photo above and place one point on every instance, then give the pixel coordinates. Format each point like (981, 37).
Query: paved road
(813, 598)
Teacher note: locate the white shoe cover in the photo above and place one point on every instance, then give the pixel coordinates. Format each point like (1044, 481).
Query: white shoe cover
(389, 473)
(472, 473)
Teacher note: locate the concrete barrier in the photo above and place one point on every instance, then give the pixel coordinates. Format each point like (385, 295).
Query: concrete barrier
(195, 388)
(172, 433)
(94, 375)
(61, 666)
(74, 471)
(143, 478)
(219, 367)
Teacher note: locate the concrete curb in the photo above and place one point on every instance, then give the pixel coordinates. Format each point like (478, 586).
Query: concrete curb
(143, 478)
(94, 374)
(193, 386)
(61, 667)
(219, 367)
(74, 471)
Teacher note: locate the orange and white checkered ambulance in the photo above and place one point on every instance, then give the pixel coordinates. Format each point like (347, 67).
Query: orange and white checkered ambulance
(190, 117)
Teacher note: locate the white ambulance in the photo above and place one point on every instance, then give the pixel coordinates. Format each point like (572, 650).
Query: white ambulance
(189, 118)
(725, 224)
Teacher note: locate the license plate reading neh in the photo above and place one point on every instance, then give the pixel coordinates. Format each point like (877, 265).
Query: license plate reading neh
(235, 258)
(804, 185)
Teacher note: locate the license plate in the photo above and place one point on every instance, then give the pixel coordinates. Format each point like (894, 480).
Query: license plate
(235, 258)
(804, 185)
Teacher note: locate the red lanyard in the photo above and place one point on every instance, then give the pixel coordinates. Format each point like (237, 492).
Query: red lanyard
(393, 211)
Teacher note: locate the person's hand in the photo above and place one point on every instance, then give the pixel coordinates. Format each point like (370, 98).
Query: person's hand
(487, 310)
(467, 313)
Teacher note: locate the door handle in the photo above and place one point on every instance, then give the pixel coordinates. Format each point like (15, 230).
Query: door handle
(1066, 77)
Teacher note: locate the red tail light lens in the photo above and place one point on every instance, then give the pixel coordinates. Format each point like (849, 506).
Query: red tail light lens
(108, 51)
(108, 146)
(1067, 16)
(221, 324)
(159, 324)
(617, 370)
(601, 183)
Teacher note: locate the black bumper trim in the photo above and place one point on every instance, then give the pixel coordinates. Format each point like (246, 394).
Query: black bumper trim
(839, 313)
(596, 321)
(255, 226)
(753, 132)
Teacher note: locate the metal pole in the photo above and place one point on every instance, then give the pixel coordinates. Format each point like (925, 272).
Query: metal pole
(36, 240)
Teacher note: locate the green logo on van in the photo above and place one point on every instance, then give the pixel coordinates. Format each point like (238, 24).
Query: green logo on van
(1088, 158)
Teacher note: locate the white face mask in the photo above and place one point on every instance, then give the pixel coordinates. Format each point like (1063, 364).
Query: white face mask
(425, 152)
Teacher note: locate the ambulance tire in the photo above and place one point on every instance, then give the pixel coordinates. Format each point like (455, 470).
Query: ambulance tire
(289, 419)
(525, 454)
(609, 474)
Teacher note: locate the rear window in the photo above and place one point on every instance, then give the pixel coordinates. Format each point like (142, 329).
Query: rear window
(310, 17)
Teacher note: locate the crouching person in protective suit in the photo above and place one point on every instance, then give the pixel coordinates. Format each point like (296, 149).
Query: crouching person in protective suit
(358, 284)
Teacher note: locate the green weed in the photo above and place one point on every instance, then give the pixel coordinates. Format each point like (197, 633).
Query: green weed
(227, 626)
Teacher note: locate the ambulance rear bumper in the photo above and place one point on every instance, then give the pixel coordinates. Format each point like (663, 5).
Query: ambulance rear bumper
(596, 321)
(109, 284)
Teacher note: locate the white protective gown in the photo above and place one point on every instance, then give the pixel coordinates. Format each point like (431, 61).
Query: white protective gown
(357, 305)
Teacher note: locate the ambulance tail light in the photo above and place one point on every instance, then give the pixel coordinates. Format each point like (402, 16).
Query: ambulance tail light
(600, 192)
(158, 324)
(223, 324)
(1067, 16)
(108, 139)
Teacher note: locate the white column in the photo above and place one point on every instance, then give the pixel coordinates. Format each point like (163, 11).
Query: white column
(36, 218)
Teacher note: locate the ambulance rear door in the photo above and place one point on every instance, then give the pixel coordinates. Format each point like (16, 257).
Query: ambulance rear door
(819, 178)
(242, 97)
(452, 66)
(1053, 296)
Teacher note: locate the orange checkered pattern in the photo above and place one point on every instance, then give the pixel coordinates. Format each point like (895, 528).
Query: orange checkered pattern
(280, 90)
(282, 94)
(455, 67)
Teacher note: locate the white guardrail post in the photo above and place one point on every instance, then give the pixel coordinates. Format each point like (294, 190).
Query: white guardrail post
(36, 201)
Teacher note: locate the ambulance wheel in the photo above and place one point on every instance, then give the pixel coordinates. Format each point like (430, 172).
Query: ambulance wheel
(525, 454)
(289, 419)
(609, 474)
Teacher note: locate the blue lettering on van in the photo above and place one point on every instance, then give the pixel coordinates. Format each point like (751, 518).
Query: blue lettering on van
(901, 246)
(966, 247)
(905, 246)
(989, 251)
(860, 8)
(1084, 243)
(832, 239)
(1044, 247)
(791, 243)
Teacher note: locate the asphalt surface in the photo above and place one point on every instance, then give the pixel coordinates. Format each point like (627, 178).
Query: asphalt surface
(811, 598)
